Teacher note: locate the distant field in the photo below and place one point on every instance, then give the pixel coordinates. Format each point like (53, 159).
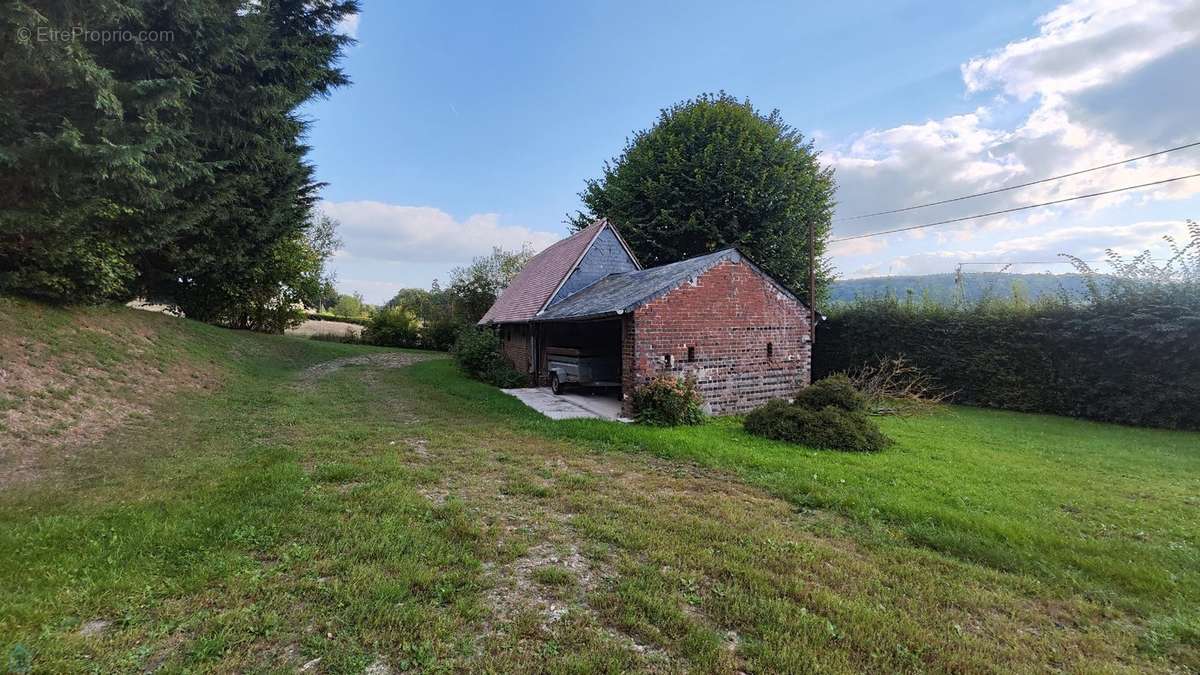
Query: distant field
(313, 327)
(331, 506)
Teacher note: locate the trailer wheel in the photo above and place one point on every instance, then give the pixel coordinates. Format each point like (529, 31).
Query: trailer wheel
(555, 385)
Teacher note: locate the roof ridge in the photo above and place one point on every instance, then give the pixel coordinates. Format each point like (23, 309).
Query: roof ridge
(562, 241)
(693, 259)
(540, 278)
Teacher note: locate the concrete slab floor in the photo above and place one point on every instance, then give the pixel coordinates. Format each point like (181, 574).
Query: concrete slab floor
(569, 405)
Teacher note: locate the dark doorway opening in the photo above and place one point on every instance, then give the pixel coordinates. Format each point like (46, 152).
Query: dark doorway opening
(582, 357)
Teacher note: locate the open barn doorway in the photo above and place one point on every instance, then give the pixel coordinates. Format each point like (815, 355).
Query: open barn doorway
(581, 358)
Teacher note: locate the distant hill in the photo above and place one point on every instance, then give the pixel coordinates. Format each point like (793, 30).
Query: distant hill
(941, 288)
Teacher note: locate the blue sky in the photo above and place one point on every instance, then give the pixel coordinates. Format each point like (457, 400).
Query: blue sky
(475, 125)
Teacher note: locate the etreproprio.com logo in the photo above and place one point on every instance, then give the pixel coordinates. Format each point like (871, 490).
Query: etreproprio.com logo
(40, 34)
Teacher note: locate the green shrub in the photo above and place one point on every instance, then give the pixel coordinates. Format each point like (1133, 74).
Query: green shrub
(503, 375)
(439, 335)
(668, 401)
(393, 327)
(836, 391)
(325, 316)
(830, 428)
(262, 314)
(477, 352)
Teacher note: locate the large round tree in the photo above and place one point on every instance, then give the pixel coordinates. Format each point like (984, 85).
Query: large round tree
(713, 172)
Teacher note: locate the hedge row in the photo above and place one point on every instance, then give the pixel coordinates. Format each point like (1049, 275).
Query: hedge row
(1119, 362)
(317, 316)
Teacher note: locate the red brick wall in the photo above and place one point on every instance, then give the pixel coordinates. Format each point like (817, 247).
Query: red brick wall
(628, 358)
(728, 316)
(514, 346)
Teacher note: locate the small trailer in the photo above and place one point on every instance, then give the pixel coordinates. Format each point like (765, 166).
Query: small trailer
(585, 368)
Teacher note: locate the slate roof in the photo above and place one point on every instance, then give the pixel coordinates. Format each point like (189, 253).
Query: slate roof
(540, 278)
(620, 293)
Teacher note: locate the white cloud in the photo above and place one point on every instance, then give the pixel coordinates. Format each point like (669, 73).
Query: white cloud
(1086, 43)
(349, 25)
(376, 292)
(1038, 252)
(379, 231)
(1061, 87)
(1083, 241)
(856, 247)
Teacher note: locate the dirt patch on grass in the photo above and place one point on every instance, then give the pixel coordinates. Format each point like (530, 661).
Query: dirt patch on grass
(551, 578)
(61, 392)
(383, 360)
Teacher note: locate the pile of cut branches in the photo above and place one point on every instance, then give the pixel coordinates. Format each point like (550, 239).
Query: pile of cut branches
(894, 386)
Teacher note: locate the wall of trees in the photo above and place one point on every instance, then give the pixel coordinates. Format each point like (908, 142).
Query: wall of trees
(165, 161)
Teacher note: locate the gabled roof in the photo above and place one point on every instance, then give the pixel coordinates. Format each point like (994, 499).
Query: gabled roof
(620, 293)
(542, 276)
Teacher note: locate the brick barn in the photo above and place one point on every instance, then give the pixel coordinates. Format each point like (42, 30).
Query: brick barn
(719, 317)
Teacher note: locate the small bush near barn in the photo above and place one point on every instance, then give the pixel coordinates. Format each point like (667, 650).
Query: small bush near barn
(836, 391)
(829, 414)
(477, 352)
(439, 335)
(668, 401)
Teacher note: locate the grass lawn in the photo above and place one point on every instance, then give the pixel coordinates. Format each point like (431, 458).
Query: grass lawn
(319, 506)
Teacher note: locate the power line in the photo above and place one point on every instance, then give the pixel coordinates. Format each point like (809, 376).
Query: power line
(1015, 209)
(1047, 262)
(1030, 262)
(1018, 186)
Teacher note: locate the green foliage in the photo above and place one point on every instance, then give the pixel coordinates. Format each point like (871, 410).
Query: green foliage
(668, 401)
(829, 414)
(326, 297)
(393, 327)
(440, 311)
(836, 391)
(415, 318)
(503, 375)
(440, 334)
(714, 172)
(443, 313)
(1129, 355)
(80, 271)
(417, 299)
(270, 294)
(473, 289)
(1142, 275)
(476, 286)
(357, 320)
(830, 428)
(351, 306)
(1132, 358)
(477, 353)
(170, 168)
